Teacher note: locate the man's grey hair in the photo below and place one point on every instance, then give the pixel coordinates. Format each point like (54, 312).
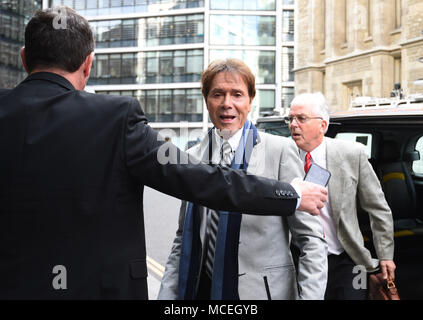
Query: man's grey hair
(316, 100)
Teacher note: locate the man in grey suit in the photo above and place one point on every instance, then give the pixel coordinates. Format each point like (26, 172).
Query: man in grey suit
(248, 257)
(352, 179)
(73, 166)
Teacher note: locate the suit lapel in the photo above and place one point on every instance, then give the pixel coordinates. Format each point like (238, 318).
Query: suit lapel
(255, 166)
(336, 183)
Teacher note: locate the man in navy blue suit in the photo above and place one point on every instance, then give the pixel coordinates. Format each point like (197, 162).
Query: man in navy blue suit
(73, 166)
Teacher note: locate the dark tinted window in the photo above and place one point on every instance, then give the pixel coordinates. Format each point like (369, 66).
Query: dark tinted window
(278, 128)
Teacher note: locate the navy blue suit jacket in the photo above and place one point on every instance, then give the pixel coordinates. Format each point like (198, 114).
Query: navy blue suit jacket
(72, 170)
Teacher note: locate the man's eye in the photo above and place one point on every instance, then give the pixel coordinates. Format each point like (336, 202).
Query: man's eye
(301, 118)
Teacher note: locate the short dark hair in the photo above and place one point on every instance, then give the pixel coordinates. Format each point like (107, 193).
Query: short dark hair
(228, 65)
(57, 37)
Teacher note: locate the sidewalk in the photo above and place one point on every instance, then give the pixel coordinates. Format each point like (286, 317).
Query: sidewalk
(153, 286)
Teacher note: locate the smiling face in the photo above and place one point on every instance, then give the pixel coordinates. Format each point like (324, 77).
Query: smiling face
(228, 101)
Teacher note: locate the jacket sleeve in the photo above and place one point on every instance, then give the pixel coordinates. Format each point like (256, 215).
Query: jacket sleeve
(372, 200)
(169, 284)
(307, 234)
(162, 166)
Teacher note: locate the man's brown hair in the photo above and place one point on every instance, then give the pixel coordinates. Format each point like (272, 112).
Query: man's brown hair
(228, 65)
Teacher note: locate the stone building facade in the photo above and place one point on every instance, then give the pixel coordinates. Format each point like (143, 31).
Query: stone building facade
(350, 48)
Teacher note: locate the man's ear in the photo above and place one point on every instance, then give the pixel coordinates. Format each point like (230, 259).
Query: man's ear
(22, 53)
(324, 126)
(87, 65)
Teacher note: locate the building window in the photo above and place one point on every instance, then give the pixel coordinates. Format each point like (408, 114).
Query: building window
(418, 164)
(287, 96)
(369, 17)
(261, 63)
(287, 63)
(13, 17)
(345, 13)
(398, 13)
(167, 105)
(194, 65)
(265, 102)
(194, 105)
(242, 30)
(106, 7)
(288, 25)
(350, 91)
(324, 24)
(147, 67)
(152, 31)
(397, 71)
(129, 68)
(265, 5)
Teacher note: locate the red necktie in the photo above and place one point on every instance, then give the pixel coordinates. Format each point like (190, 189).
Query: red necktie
(307, 162)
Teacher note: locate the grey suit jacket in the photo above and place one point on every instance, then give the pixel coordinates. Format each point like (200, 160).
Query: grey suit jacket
(264, 241)
(353, 179)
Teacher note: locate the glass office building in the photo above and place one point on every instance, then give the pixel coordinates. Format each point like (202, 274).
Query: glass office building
(156, 50)
(14, 15)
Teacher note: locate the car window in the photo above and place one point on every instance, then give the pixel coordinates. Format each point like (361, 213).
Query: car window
(277, 128)
(364, 138)
(418, 164)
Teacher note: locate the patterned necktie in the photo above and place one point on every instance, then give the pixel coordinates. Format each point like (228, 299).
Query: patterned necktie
(214, 215)
(226, 151)
(307, 164)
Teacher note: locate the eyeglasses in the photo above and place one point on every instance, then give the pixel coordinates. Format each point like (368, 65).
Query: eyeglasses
(300, 119)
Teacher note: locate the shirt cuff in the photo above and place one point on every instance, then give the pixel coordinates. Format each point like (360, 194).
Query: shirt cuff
(298, 191)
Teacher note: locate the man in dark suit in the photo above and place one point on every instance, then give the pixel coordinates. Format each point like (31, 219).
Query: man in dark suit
(72, 170)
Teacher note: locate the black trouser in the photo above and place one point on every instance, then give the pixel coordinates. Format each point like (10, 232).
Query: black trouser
(204, 287)
(341, 279)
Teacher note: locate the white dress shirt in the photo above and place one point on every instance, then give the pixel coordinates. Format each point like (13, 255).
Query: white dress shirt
(218, 141)
(318, 156)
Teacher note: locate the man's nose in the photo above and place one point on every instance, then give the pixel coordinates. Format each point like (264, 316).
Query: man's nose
(227, 101)
(293, 123)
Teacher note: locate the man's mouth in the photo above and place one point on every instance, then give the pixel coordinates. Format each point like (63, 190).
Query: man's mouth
(295, 135)
(226, 118)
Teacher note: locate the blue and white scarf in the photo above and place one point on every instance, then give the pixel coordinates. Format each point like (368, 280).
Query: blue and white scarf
(225, 272)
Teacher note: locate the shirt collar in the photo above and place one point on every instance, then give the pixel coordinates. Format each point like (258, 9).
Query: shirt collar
(317, 154)
(233, 140)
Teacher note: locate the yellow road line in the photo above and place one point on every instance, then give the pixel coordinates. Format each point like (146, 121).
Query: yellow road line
(155, 267)
(401, 233)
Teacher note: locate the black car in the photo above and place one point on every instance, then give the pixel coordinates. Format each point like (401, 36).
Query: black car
(392, 132)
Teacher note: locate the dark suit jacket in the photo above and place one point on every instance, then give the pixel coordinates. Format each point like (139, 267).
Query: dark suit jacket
(72, 170)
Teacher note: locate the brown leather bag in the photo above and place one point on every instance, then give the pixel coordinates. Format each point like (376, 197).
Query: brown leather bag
(382, 289)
